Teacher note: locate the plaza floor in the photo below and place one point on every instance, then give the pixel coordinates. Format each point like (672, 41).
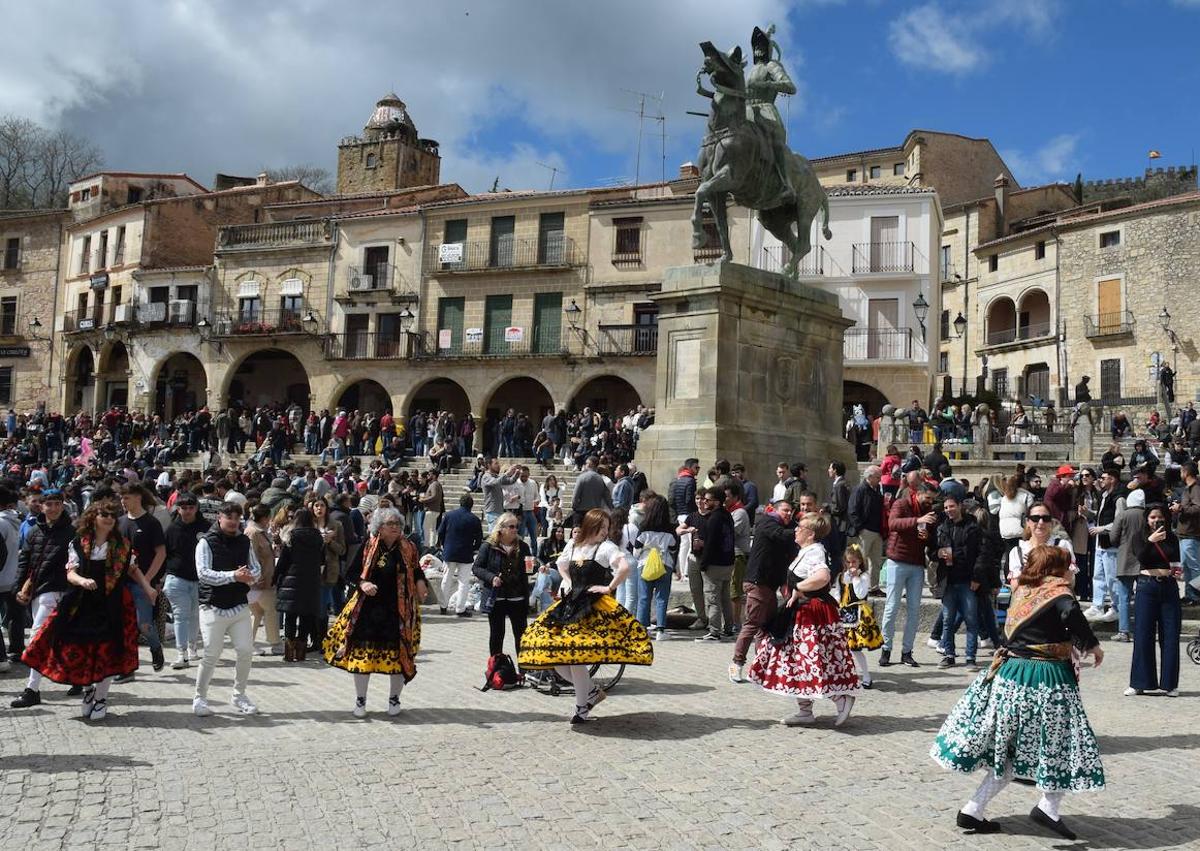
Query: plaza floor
(677, 757)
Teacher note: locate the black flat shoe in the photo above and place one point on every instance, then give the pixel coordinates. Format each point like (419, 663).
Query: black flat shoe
(1045, 821)
(976, 825)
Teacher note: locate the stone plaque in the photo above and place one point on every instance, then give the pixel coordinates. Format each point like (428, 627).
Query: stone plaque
(687, 369)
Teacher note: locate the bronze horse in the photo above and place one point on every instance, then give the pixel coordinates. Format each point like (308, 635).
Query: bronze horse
(736, 158)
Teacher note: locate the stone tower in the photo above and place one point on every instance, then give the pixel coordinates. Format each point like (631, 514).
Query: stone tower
(388, 155)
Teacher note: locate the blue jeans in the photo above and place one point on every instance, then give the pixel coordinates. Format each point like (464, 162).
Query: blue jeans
(528, 526)
(419, 526)
(660, 591)
(145, 615)
(959, 599)
(544, 587)
(627, 591)
(1104, 577)
(1156, 616)
(184, 596)
(907, 580)
(489, 520)
(312, 443)
(1189, 554)
(1123, 588)
(507, 447)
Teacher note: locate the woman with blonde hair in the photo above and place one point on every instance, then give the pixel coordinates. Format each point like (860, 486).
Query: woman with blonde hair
(805, 655)
(1014, 504)
(1023, 719)
(587, 626)
(503, 564)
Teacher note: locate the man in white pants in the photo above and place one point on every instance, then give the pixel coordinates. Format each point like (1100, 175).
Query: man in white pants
(459, 534)
(226, 566)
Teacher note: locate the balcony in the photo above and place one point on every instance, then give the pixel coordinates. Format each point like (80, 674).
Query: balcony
(878, 344)
(882, 257)
(75, 321)
(365, 345)
(273, 322)
(813, 264)
(617, 340)
(484, 255)
(273, 235)
(380, 280)
(178, 313)
(1005, 336)
(549, 344)
(1115, 324)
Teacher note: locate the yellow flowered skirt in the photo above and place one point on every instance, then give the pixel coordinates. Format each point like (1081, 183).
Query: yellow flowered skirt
(607, 635)
(370, 655)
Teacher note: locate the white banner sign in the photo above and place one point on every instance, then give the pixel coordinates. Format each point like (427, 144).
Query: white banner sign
(474, 335)
(450, 252)
(445, 338)
(513, 334)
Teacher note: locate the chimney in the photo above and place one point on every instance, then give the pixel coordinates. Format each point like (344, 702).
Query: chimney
(1001, 185)
(688, 170)
(262, 179)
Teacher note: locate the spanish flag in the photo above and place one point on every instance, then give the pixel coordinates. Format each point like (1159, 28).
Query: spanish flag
(1154, 155)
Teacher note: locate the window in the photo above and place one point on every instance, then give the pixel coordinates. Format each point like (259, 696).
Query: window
(1039, 250)
(1110, 239)
(503, 241)
(116, 301)
(1110, 380)
(6, 381)
(944, 326)
(290, 306)
(85, 256)
(898, 170)
(250, 309)
(1037, 381)
(450, 318)
(645, 335)
(851, 175)
(876, 172)
(455, 233)
(102, 251)
(547, 322)
(85, 194)
(1000, 382)
(119, 250)
(551, 240)
(133, 196)
(8, 315)
(993, 262)
(12, 252)
(375, 264)
(628, 248)
(945, 263)
(372, 161)
(497, 315)
(943, 361)
(81, 305)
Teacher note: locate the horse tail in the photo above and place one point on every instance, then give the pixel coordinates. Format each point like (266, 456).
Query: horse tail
(825, 212)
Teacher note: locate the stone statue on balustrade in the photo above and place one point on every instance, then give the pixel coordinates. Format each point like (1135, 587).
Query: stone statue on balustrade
(745, 154)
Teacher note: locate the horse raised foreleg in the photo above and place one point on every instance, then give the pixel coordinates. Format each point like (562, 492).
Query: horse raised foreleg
(712, 192)
(722, 220)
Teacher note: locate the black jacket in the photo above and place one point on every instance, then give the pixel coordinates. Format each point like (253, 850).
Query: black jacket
(718, 539)
(865, 509)
(298, 573)
(966, 539)
(682, 495)
(772, 549)
(43, 559)
(181, 547)
(490, 563)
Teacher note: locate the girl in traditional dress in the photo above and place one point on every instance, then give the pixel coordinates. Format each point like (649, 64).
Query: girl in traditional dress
(807, 656)
(379, 630)
(862, 633)
(1023, 718)
(587, 626)
(92, 636)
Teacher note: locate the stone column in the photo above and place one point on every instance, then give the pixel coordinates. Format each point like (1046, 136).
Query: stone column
(981, 433)
(749, 369)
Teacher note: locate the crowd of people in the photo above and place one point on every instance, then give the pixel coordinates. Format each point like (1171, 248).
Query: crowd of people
(336, 558)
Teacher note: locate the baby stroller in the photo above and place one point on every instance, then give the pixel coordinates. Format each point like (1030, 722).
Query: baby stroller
(1193, 650)
(605, 677)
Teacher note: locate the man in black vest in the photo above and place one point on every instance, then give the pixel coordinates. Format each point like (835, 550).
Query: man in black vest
(226, 567)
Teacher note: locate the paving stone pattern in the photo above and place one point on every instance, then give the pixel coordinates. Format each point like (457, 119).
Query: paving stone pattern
(676, 758)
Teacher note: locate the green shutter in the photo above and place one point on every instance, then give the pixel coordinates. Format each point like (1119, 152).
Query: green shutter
(450, 315)
(547, 323)
(497, 315)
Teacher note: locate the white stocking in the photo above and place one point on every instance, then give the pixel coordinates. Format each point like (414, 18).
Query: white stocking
(988, 789)
(397, 683)
(1049, 803)
(361, 681)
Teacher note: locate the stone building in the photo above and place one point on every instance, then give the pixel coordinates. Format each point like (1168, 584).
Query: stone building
(31, 241)
(388, 155)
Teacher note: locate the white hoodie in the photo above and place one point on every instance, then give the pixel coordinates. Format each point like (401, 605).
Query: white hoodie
(10, 527)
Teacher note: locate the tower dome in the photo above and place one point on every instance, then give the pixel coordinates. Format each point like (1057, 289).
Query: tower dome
(390, 118)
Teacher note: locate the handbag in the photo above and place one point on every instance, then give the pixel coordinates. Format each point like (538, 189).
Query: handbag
(849, 615)
(653, 570)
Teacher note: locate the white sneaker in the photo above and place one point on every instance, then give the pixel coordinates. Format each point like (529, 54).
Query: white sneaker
(986, 644)
(394, 705)
(200, 707)
(1133, 692)
(736, 673)
(360, 707)
(1110, 616)
(1173, 693)
(933, 644)
(244, 704)
(179, 664)
(1092, 613)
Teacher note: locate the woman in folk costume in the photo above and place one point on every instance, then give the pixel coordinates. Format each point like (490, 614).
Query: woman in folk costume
(92, 636)
(805, 655)
(379, 630)
(587, 626)
(1024, 719)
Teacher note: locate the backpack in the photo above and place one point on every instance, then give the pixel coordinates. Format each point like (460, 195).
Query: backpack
(501, 674)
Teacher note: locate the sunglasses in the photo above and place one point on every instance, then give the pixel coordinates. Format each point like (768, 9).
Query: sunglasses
(1040, 518)
(106, 514)
(508, 526)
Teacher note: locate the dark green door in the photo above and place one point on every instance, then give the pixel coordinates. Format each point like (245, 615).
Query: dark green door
(450, 318)
(497, 315)
(547, 323)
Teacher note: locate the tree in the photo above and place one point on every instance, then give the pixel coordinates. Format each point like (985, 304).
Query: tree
(313, 176)
(37, 164)
(1079, 187)
(19, 138)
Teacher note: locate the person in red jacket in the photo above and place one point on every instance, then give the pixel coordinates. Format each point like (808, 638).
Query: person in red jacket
(911, 522)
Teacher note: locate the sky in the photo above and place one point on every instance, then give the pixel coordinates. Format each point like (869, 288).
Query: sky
(532, 90)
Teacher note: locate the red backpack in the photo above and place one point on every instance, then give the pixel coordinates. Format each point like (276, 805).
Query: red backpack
(501, 674)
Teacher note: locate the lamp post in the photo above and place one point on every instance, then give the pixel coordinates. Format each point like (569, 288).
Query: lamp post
(573, 311)
(1164, 319)
(921, 311)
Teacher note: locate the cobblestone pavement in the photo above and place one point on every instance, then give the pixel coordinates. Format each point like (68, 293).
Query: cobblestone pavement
(677, 758)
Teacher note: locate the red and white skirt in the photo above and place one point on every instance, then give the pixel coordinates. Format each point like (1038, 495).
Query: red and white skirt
(814, 662)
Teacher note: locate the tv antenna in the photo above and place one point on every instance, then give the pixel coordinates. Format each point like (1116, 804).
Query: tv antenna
(643, 115)
(553, 169)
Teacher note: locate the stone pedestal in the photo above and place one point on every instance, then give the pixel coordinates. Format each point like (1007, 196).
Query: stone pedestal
(1082, 435)
(749, 369)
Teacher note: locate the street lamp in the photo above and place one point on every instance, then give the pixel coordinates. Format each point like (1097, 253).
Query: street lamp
(921, 311)
(960, 325)
(406, 319)
(1164, 319)
(573, 311)
(110, 333)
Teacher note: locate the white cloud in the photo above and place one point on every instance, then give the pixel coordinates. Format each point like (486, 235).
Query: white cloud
(1057, 160)
(227, 85)
(952, 39)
